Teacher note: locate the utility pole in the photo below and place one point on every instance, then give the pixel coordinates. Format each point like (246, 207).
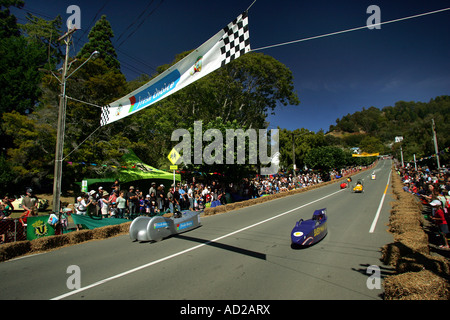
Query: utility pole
(61, 127)
(293, 148)
(293, 154)
(436, 145)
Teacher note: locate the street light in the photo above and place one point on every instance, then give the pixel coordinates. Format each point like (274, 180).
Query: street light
(62, 123)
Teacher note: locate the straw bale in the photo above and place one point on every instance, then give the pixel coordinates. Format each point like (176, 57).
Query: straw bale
(125, 227)
(402, 226)
(417, 262)
(413, 241)
(422, 285)
(50, 242)
(80, 236)
(407, 243)
(106, 232)
(14, 249)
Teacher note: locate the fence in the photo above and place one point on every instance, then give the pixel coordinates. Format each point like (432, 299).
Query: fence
(12, 230)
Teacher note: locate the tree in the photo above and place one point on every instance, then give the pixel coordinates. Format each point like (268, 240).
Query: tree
(19, 74)
(325, 159)
(31, 158)
(100, 40)
(46, 33)
(371, 145)
(8, 22)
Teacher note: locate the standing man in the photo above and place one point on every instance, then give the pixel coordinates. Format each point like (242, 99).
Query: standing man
(132, 200)
(170, 199)
(29, 201)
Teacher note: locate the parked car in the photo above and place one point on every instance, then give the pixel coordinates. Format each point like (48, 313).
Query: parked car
(17, 204)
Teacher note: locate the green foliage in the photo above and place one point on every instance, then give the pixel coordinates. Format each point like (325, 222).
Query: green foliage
(8, 22)
(325, 158)
(100, 40)
(375, 130)
(19, 75)
(31, 158)
(45, 33)
(6, 176)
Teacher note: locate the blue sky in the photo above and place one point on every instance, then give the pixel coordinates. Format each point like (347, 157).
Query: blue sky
(333, 76)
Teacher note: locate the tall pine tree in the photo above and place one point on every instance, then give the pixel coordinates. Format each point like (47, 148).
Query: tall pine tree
(100, 40)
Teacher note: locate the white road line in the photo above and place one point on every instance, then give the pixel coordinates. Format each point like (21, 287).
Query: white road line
(185, 251)
(375, 220)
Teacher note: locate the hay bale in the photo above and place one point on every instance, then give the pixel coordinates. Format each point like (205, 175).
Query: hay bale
(413, 241)
(399, 227)
(50, 242)
(14, 249)
(125, 227)
(405, 221)
(390, 254)
(80, 236)
(106, 232)
(405, 244)
(423, 285)
(417, 262)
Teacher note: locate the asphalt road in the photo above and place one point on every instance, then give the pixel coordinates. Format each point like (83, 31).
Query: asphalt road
(241, 255)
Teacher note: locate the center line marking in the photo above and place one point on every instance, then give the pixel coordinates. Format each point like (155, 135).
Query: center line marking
(374, 223)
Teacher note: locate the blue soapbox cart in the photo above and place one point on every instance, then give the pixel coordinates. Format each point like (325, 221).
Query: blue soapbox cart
(308, 232)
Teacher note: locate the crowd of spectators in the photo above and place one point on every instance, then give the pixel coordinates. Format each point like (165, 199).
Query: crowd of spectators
(433, 190)
(134, 202)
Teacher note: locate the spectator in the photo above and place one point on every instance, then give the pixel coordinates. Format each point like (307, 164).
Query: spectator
(439, 219)
(116, 186)
(23, 217)
(132, 203)
(160, 198)
(92, 204)
(170, 198)
(29, 201)
(176, 198)
(7, 207)
(121, 205)
(152, 188)
(105, 204)
(81, 206)
(190, 194)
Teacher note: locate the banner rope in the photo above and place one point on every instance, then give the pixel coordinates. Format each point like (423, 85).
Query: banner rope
(350, 30)
(81, 143)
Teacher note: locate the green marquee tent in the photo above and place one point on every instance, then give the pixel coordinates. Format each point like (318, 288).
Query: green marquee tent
(134, 169)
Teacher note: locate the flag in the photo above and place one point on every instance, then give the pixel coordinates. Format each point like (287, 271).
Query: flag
(227, 45)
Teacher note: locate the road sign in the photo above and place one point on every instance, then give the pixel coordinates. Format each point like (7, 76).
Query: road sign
(173, 156)
(173, 167)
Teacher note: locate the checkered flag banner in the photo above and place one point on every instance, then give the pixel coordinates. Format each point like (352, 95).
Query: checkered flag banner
(228, 44)
(105, 115)
(236, 41)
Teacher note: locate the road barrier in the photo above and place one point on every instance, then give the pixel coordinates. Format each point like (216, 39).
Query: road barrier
(420, 275)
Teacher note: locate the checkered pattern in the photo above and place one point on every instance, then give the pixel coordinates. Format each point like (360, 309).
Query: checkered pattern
(105, 115)
(236, 41)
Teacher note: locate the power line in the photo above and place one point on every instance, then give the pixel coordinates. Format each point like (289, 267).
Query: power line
(95, 17)
(134, 21)
(134, 31)
(350, 30)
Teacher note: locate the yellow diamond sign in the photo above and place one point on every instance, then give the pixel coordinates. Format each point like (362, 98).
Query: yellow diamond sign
(173, 156)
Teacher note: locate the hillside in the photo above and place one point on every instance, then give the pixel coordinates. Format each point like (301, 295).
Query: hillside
(411, 120)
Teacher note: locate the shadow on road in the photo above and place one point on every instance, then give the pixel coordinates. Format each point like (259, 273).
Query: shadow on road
(246, 252)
